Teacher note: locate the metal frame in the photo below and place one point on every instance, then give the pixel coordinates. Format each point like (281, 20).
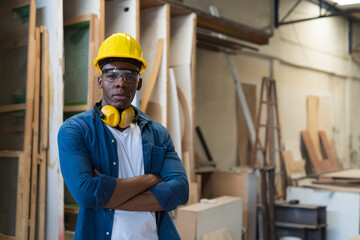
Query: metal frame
(331, 11)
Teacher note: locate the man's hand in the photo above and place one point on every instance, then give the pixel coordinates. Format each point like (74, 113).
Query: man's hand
(96, 172)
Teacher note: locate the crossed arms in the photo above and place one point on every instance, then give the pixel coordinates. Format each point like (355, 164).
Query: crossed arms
(141, 193)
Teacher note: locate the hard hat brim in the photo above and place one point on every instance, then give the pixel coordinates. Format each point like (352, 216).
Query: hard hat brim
(144, 63)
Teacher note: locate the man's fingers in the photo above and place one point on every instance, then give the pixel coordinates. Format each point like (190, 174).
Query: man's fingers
(96, 172)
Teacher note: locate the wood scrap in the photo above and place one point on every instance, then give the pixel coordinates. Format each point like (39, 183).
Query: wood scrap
(313, 122)
(35, 141)
(25, 163)
(294, 169)
(320, 165)
(44, 135)
(154, 74)
(327, 150)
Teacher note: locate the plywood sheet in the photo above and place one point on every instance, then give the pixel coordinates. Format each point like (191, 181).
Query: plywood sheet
(325, 115)
(313, 122)
(174, 114)
(73, 8)
(241, 184)
(320, 165)
(349, 173)
(121, 16)
(154, 24)
(181, 39)
(294, 169)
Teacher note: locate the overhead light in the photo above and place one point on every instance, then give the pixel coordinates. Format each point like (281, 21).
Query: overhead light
(346, 2)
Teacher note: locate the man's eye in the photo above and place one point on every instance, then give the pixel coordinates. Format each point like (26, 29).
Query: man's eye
(111, 76)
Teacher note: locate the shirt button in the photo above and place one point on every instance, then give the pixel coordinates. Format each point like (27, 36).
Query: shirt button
(107, 233)
(114, 163)
(113, 141)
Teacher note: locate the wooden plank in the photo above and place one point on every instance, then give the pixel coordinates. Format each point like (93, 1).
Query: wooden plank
(78, 19)
(328, 151)
(13, 107)
(154, 75)
(11, 154)
(193, 90)
(150, 3)
(185, 142)
(71, 209)
(308, 182)
(344, 174)
(92, 77)
(75, 108)
(174, 114)
(35, 142)
(154, 111)
(320, 166)
(313, 123)
(12, 128)
(10, 5)
(44, 136)
(25, 163)
(5, 237)
(294, 169)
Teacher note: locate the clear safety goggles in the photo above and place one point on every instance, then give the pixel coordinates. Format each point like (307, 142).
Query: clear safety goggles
(114, 74)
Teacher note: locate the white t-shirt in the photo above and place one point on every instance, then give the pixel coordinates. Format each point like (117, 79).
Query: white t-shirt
(131, 224)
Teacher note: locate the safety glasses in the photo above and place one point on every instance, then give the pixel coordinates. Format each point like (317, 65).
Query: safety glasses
(113, 75)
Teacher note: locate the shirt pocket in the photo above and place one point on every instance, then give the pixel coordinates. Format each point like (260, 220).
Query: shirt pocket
(157, 159)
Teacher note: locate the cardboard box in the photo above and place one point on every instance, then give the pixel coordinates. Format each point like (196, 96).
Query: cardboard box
(193, 221)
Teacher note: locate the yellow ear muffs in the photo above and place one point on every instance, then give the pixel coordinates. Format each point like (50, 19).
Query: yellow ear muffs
(113, 119)
(127, 117)
(111, 115)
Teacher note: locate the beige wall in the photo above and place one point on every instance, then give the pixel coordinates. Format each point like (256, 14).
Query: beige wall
(309, 58)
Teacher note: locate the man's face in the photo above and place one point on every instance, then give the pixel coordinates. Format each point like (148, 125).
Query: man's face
(119, 93)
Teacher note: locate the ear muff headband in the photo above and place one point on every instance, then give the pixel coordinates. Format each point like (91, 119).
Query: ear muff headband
(111, 116)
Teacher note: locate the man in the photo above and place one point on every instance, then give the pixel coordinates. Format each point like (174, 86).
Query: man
(121, 166)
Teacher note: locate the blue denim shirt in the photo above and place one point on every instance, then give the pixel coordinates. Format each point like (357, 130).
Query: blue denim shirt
(85, 143)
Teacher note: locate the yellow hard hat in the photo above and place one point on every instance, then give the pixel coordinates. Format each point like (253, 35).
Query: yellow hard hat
(120, 45)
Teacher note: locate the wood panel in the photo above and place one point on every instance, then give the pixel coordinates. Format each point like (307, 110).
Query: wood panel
(313, 122)
(44, 132)
(241, 183)
(320, 165)
(35, 140)
(25, 162)
(154, 25)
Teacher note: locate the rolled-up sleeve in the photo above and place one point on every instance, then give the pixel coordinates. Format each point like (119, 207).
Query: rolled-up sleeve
(174, 189)
(77, 169)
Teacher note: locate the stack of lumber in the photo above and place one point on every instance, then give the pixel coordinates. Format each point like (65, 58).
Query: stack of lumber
(343, 181)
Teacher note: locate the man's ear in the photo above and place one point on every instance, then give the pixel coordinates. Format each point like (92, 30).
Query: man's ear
(99, 82)
(139, 84)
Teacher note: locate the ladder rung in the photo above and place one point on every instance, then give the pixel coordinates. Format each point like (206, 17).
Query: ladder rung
(262, 125)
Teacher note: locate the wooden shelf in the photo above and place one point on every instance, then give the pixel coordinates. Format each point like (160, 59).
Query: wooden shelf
(11, 154)
(71, 209)
(20, 128)
(13, 107)
(76, 108)
(10, 5)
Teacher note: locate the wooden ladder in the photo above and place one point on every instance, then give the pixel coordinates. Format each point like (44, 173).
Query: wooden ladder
(268, 97)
